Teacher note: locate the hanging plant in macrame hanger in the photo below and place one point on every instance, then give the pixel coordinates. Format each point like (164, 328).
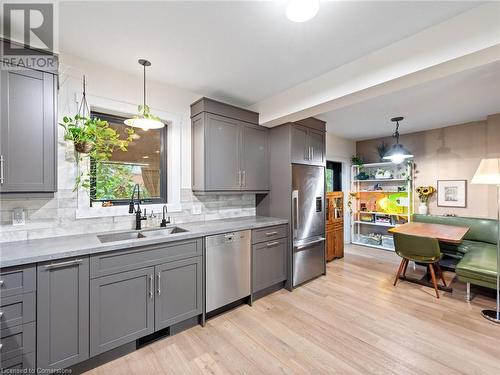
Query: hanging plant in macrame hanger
(92, 137)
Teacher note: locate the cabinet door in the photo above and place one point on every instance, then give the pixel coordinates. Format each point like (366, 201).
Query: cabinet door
(330, 244)
(222, 154)
(269, 264)
(254, 159)
(121, 309)
(317, 145)
(339, 242)
(178, 291)
(62, 313)
(28, 131)
(299, 144)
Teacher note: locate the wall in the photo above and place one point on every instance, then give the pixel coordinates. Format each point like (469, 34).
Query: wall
(340, 150)
(452, 152)
(58, 215)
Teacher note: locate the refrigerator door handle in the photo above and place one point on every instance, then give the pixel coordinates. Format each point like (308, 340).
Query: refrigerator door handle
(295, 212)
(304, 245)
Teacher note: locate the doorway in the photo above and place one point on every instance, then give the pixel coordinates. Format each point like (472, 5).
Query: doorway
(334, 211)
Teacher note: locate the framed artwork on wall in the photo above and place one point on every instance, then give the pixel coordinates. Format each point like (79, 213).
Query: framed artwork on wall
(452, 193)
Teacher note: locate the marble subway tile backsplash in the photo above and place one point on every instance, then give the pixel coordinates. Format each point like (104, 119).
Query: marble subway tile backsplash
(50, 217)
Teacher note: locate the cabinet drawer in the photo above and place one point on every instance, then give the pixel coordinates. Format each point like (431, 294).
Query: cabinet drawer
(16, 364)
(127, 260)
(16, 310)
(269, 264)
(269, 233)
(17, 280)
(17, 341)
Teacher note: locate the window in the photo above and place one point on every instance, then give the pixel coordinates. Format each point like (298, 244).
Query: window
(144, 163)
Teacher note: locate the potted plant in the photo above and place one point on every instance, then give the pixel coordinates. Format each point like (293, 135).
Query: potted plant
(95, 138)
(358, 162)
(382, 149)
(424, 193)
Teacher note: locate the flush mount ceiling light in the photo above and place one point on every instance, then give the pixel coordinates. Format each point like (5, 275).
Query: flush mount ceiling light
(144, 120)
(397, 153)
(301, 10)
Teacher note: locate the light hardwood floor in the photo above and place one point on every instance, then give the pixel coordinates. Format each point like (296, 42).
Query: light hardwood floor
(351, 321)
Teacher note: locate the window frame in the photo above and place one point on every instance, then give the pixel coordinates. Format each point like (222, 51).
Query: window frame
(112, 118)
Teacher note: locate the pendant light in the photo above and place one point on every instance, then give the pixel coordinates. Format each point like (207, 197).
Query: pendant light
(302, 10)
(144, 120)
(397, 153)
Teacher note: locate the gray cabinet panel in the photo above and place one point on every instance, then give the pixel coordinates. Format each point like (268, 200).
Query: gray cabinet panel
(269, 264)
(17, 280)
(63, 313)
(299, 148)
(178, 291)
(317, 144)
(28, 131)
(19, 364)
(17, 310)
(222, 154)
(254, 159)
(127, 260)
(269, 233)
(17, 340)
(121, 309)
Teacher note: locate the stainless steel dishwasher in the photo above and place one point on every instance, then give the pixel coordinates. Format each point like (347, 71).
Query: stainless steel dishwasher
(228, 260)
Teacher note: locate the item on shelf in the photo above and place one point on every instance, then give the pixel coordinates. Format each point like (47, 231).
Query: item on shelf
(383, 219)
(397, 220)
(377, 187)
(367, 218)
(362, 207)
(388, 174)
(388, 241)
(371, 239)
(362, 176)
(401, 188)
(379, 173)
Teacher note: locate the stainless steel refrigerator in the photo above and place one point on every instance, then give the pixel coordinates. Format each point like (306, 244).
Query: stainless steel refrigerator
(308, 222)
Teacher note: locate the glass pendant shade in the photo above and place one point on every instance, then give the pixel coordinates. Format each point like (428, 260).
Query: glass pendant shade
(397, 153)
(144, 120)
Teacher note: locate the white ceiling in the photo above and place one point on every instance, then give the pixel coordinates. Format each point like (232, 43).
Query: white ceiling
(239, 52)
(466, 96)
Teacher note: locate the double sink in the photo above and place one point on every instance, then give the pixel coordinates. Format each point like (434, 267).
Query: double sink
(134, 235)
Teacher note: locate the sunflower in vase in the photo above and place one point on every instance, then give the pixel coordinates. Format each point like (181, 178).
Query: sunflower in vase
(424, 193)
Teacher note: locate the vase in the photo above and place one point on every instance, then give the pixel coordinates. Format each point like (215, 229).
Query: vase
(84, 147)
(423, 209)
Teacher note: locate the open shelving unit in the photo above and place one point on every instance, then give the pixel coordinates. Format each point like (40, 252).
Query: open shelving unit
(381, 200)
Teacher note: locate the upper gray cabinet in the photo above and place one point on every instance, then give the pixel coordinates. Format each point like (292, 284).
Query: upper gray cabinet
(307, 145)
(229, 150)
(28, 131)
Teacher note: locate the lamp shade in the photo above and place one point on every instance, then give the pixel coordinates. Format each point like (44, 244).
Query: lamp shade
(397, 153)
(488, 172)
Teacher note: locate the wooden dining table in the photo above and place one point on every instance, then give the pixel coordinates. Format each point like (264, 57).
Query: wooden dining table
(443, 233)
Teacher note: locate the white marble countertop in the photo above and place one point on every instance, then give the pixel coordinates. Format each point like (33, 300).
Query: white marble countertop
(40, 250)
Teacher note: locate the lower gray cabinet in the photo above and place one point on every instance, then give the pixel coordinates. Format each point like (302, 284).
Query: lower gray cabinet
(269, 264)
(178, 291)
(62, 313)
(121, 309)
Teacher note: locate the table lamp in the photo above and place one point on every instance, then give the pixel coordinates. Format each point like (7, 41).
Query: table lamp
(488, 173)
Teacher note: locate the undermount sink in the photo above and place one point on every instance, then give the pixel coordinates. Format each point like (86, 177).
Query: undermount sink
(162, 231)
(123, 236)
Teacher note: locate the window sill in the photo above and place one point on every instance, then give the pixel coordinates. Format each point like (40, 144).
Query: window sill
(96, 212)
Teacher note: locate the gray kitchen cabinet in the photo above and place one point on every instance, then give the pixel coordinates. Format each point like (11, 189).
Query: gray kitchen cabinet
(229, 149)
(223, 172)
(269, 257)
(317, 144)
(178, 291)
(121, 309)
(62, 313)
(28, 131)
(299, 150)
(254, 160)
(307, 145)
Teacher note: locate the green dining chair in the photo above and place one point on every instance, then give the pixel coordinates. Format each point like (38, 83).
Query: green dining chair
(419, 250)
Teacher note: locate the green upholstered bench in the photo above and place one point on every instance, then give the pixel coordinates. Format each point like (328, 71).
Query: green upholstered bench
(477, 253)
